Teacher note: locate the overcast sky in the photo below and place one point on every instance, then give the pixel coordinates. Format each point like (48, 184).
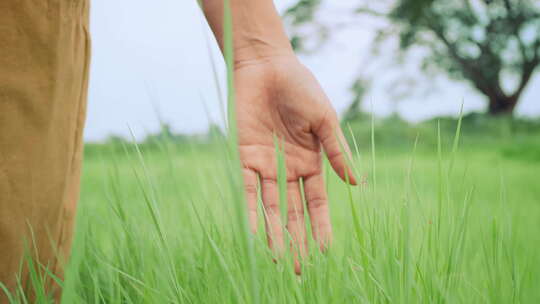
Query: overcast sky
(152, 60)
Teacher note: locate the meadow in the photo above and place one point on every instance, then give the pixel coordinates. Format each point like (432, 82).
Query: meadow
(436, 219)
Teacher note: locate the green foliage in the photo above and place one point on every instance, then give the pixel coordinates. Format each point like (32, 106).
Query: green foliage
(475, 40)
(160, 226)
(523, 150)
(301, 13)
(354, 112)
(510, 137)
(155, 141)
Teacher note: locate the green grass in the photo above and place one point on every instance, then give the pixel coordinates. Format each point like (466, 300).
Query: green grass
(162, 225)
(168, 231)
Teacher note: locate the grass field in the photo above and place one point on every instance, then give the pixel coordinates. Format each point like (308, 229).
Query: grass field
(166, 226)
(164, 223)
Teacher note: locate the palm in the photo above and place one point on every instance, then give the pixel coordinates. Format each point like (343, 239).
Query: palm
(266, 113)
(282, 100)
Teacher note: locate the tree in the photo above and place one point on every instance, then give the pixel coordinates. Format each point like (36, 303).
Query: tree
(491, 44)
(359, 89)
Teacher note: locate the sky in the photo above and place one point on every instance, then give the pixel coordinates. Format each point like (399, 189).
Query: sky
(153, 61)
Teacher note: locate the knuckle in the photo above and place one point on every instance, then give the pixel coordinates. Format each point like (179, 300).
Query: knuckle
(317, 202)
(272, 205)
(269, 182)
(295, 214)
(250, 188)
(334, 154)
(324, 121)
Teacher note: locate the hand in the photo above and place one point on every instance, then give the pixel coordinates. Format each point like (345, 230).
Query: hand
(279, 97)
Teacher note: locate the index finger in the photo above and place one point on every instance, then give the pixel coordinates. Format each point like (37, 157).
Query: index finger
(336, 148)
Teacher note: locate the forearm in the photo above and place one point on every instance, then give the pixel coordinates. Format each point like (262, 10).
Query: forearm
(257, 31)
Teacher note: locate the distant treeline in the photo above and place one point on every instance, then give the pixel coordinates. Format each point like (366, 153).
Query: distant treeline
(512, 136)
(165, 138)
(476, 128)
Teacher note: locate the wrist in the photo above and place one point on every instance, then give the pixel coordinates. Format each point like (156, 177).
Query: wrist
(256, 51)
(258, 33)
(261, 53)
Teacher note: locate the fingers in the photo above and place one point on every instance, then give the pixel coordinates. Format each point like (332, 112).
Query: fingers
(336, 148)
(296, 225)
(274, 231)
(317, 204)
(250, 189)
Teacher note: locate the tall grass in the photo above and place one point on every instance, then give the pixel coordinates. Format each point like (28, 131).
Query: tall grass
(164, 226)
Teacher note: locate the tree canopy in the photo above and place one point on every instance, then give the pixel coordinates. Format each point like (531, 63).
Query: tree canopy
(492, 44)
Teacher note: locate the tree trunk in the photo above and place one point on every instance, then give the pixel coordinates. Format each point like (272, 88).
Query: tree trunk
(502, 105)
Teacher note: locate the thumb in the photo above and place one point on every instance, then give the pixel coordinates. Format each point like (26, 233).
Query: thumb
(335, 146)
